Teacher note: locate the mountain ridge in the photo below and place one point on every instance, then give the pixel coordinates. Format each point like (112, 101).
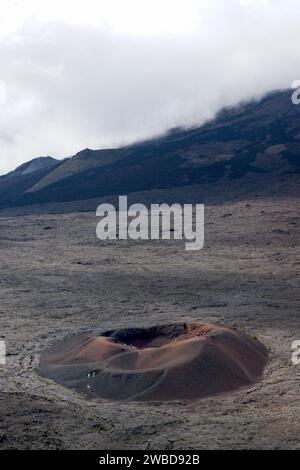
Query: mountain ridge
(36, 164)
(257, 137)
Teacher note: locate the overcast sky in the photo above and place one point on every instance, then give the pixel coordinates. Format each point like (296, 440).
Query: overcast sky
(102, 73)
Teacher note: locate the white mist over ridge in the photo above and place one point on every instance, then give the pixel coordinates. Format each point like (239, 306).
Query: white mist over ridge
(103, 74)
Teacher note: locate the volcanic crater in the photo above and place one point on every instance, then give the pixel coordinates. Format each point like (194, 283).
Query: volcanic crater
(160, 363)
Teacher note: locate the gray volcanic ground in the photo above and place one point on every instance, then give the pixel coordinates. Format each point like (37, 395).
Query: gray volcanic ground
(58, 280)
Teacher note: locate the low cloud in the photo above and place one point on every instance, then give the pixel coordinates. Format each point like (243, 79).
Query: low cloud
(69, 85)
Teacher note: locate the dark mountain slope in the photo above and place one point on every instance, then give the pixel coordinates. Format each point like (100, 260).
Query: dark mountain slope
(37, 164)
(259, 137)
(83, 160)
(15, 183)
